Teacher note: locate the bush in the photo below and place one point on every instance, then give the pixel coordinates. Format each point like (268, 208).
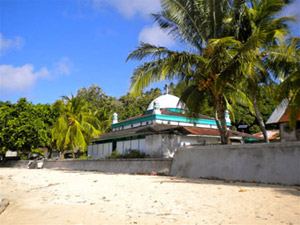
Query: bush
(129, 154)
(84, 157)
(114, 155)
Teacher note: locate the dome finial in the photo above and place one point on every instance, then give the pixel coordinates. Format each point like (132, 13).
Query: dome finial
(115, 118)
(166, 88)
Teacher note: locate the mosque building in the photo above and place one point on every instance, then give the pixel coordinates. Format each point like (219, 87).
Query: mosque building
(160, 130)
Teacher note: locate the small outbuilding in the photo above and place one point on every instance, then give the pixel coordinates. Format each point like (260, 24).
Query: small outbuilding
(281, 116)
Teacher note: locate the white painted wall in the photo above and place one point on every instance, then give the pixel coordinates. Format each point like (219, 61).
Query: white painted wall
(99, 151)
(142, 145)
(274, 162)
(120, 147)
(203, 125)
(185, 124)
(135, 144)
(194, 140)
(138, 144)
(161, 145)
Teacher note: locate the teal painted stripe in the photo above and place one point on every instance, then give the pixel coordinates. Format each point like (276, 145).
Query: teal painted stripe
(176, 110)
(143, 119)
(251, 139)
(184, 119)
(187, 119)
(168, 118)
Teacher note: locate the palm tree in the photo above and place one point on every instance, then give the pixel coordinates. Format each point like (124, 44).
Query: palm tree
(211, 65)
(217, 33)
(285, 60)
(76, 125)
(263, 30)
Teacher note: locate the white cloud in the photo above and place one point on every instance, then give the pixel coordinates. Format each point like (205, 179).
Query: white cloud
(130, 8)
(24, 77)
(156, 36)
(63, 67)
(20, 78)
(292, 9)
(7, 44)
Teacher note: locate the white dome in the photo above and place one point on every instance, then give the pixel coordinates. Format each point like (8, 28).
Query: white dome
(167, 101)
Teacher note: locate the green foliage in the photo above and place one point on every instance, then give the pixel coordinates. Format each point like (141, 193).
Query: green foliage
(229, 40)
(102, 105)
(285, 62)
(114, 155)
(24, 126)
(132, 106)
(84, 157)
(38, 151)
(75, 126)
(24, 157)
(126, 106)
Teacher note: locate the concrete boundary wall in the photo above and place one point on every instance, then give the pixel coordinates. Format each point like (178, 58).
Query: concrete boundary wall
(15, 163)
(132, 166)
(267, 163)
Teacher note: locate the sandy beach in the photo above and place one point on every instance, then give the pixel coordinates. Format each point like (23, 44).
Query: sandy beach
(73, 197)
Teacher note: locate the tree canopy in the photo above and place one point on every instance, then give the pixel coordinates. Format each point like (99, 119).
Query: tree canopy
(228, 42)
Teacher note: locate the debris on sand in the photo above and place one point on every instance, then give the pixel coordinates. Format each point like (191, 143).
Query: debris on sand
(3, 204)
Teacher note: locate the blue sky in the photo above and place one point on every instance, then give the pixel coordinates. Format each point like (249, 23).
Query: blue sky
(51, 48)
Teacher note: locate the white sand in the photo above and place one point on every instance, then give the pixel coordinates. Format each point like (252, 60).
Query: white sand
(64, 197)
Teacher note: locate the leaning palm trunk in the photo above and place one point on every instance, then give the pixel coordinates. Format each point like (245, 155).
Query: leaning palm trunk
(260, 120)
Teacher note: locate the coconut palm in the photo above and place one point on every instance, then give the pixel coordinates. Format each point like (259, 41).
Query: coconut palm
(76, 125)
(263, 30)
(222, 39)
(285, 60)
(204, 26)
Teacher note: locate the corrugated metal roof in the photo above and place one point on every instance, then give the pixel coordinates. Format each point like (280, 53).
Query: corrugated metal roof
(278, 112)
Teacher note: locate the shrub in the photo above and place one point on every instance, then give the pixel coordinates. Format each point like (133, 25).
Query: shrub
(129, 154)
(84, 157)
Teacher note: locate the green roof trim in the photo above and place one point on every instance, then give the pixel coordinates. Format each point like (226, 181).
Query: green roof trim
(168, 118)
(176, 110)
(120, 136)
(148, 112)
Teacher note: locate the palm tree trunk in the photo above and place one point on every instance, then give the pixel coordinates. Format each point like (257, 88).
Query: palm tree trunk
(221, 122)
(62, 155)
(217, 122)
(259, 119)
